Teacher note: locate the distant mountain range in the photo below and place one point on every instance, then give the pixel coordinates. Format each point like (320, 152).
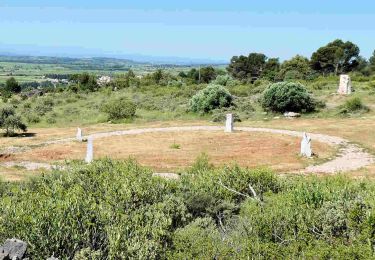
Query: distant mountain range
(131, 59)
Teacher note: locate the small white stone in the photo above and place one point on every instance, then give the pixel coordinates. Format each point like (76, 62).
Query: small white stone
(229, 123)
(306, 146)
(292, 114)
(90, 150)
(79, 135)
(345, 87)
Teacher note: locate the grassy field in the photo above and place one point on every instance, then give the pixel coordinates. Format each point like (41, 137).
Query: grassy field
(237, 194)
(56, 115)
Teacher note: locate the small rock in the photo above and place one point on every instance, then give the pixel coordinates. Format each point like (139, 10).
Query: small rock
(52, 258)
(292, 114)
(13, 249)
(276, 117)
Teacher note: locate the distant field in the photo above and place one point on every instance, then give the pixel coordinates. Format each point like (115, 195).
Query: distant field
(26, 69)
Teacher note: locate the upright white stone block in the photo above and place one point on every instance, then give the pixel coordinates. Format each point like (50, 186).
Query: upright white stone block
(306, 146)
(345, 87)
(90, 150)
(79, 135)
(229, 123)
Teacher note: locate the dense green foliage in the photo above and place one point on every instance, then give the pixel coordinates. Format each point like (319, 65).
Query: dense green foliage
(353, 105)
(297, 67)
(10, 121)
(287, 97)
(210, 98)
(247, 68)
(12, 86)
(117, 210)
(336, 57)
(120, 109)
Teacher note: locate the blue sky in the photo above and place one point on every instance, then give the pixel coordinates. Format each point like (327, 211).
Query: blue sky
(211, 29)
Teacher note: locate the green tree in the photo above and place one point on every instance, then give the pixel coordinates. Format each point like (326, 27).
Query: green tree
(12, 86)
(336, 57)
(287, 97)
(363, 66)
(247, 68)
(297, 67)
(271, 69)
(212, 97)
(119, 109)
(201, 75)
(11, 122)
(372, 61)
(85, 81)
(207, 74)
(157, 76)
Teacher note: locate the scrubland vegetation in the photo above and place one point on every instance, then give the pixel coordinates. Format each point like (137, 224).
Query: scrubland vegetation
(117, 210)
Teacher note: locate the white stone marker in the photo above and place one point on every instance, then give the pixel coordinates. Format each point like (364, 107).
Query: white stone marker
(345, 87)
(306, 146)
(229, 124)
(79, 135)
(90, 150)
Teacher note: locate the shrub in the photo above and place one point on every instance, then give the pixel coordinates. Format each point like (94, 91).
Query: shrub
(44, 106)
(112, 208)
(353, 104)
(120, 109)
(32, 118)
(12, 86)
(51, 120)
(225, 80)
(10, 121)
(210, 98)
(287, 96)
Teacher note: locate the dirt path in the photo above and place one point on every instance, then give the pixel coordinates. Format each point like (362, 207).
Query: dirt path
(350, 157)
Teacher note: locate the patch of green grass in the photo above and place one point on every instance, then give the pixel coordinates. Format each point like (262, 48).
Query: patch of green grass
(175, 146)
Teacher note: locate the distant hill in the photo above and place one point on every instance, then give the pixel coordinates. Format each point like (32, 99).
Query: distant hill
(104, 63)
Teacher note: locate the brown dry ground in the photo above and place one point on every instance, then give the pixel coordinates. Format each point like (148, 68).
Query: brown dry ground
(154, 150)
(248, 149)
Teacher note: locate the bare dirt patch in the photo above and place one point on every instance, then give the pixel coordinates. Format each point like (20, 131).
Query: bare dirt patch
(276, 151)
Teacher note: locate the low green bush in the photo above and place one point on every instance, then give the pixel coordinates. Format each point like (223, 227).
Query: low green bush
(118, 210)
(353, 105)
(287, 97)
(32, 118)
(210, 98)
(121, 108)
(43, 106)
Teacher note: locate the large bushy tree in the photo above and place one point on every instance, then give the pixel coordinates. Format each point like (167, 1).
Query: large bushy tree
(287, 97)
(85, 81)
(201, 75)
(336, 57)
(247, 67)
(12, 86)
(297, 67)
(271, 69)
(11, 122)
(210, 98)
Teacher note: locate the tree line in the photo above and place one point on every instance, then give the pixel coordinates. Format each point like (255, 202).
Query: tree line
(335, 58)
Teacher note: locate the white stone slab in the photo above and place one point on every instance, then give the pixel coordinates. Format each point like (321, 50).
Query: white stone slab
(79, 135)
(229, 123)
(90, 150)
(345, 87)
(306, 146)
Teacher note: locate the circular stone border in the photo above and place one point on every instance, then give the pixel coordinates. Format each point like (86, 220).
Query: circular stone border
(350, 156)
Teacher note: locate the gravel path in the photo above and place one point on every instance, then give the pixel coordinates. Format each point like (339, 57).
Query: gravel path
(350, 157)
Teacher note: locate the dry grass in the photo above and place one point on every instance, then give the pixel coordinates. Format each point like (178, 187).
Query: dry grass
(279, 152)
